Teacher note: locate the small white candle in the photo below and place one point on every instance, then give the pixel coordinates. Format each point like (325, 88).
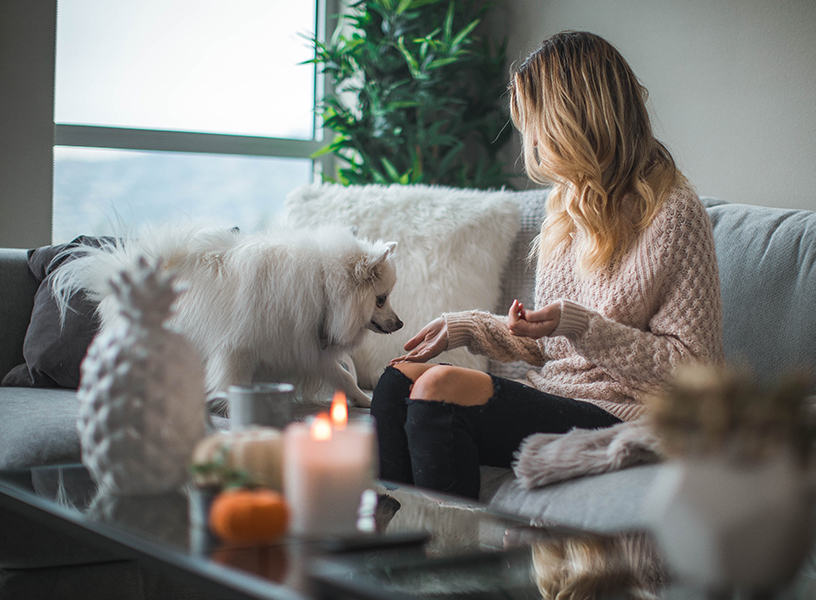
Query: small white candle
(328, 464)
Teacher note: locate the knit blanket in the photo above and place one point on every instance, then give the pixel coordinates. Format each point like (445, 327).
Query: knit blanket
(545, 458)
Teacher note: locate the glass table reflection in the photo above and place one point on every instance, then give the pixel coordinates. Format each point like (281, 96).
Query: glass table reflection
(426, 545)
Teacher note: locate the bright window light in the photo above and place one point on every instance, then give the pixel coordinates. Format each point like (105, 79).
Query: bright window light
(185, 68)
(212, 66)
(113, 192)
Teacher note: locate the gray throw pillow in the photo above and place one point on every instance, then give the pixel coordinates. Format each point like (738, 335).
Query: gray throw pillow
(52, 352)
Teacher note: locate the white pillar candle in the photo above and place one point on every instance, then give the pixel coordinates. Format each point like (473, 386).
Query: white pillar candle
(327, 467)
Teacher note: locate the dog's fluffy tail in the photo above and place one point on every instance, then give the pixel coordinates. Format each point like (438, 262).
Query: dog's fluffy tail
(90, 270)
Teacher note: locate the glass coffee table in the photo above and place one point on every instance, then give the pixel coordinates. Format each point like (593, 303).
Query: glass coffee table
(426, 545)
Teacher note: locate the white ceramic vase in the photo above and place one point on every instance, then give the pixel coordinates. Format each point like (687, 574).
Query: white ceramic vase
(725, 526)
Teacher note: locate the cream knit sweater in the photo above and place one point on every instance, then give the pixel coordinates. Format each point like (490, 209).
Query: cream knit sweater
(621, 334)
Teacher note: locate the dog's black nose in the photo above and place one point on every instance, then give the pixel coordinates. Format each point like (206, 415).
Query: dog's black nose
(398, 325)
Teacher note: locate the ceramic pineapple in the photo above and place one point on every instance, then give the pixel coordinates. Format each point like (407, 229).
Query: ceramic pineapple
(142, 396)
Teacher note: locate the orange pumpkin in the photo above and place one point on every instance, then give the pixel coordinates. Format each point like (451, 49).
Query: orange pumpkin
(249, 516)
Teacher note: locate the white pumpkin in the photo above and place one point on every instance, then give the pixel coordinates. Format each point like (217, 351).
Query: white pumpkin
(256, 450)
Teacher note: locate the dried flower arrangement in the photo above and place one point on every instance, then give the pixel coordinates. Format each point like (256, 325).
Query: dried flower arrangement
(709, 411)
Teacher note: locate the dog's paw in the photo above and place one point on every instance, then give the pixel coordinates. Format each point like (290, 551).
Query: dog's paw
(361, 399)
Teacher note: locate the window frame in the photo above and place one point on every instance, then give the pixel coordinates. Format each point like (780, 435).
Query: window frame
(160, 140)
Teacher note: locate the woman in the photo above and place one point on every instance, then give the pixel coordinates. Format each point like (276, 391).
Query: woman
(627, 285)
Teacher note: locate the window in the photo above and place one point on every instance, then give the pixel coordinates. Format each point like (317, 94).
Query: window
(171, 109)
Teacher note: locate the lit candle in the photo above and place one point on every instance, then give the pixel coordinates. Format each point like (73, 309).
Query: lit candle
(339, 411)
(328, 464)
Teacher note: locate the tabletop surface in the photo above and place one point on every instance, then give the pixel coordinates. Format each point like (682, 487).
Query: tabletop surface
(425, 544)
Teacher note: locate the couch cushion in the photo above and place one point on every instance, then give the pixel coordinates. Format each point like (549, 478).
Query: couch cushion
(52, 350)
(518, 280)
(16, 301)
(767, 261)
(38, 427)
(609, 502)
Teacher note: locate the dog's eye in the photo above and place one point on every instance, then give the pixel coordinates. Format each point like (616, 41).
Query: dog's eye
(381, 301)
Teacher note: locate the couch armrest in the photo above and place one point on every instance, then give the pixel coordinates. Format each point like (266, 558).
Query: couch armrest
(17, 289)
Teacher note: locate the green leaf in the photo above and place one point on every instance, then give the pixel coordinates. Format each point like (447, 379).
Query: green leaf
(416, 167)
(390, 169)
(465, 32)
(378, 178)
(433, 34)
(392, 106)
(352, 44)
(441, 62)
(420, 3)
(412, 62)
(335, 145)
(403, 6)
(328, 149)
(448, 26)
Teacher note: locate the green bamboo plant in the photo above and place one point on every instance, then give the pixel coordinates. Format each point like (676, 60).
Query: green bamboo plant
(417, 95)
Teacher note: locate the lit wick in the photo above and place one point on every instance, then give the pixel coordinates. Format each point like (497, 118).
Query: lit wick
(339, 411)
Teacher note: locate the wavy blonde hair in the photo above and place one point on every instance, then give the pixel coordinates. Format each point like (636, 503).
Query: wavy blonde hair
(626, 565)
(585, 128)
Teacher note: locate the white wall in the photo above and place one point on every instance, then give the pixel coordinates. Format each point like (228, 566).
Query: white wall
(732, 83)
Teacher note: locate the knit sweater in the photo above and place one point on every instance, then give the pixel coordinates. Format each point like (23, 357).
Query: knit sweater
(624, 331)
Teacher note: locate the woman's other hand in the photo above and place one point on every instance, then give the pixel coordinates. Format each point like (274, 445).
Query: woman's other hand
(533, 323)
(429, 343)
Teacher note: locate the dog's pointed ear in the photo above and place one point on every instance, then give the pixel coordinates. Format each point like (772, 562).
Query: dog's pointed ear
(383, 256)
(368, 269)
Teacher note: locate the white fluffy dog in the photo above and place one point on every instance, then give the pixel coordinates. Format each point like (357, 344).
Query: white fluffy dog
(281, 306)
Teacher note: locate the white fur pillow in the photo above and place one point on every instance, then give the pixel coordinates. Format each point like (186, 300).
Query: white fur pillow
(453, 246)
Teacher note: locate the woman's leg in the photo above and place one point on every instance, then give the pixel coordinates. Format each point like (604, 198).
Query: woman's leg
(458, 419)
(390, 411)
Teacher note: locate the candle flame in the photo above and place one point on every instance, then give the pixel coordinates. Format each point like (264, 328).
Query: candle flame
(339, 410)
(321, 429)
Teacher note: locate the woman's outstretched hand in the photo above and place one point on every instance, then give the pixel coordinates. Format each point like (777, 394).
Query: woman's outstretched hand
(533, 323)
(429, 343)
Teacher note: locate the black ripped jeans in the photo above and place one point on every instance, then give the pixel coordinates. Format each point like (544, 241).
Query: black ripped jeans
(440, 445)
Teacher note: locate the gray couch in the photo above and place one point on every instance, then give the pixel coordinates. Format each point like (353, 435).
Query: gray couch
(767, 261)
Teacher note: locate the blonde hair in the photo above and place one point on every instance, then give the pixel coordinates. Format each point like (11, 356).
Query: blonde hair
(585, 128)
(626, 565)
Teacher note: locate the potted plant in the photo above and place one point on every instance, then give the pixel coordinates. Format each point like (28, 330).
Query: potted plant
(416, 95)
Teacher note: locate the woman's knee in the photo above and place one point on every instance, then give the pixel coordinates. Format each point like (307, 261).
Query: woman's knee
(412, 371)
(456, 385)
(392, 388)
